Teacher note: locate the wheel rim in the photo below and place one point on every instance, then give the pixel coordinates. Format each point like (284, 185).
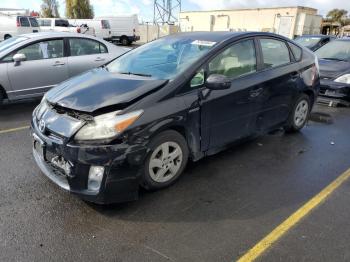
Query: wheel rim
(165, 162)
(301, 112)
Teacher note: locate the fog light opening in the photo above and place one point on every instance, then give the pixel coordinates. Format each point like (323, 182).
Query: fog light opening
(95, 177)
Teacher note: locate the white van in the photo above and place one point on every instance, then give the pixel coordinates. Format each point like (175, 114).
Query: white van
(101, 26)
(124, 29)
(62, 25)
(17, 25)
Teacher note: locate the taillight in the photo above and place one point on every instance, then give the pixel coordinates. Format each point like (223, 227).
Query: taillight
(78, 30)
(18, 23)
(134, 30)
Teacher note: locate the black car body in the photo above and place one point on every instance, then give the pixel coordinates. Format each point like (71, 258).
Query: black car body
(334, 62)
(314, 42)
(204, 115)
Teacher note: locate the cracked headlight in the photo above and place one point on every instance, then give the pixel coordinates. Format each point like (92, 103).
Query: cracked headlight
(107, 126)
(345, 79)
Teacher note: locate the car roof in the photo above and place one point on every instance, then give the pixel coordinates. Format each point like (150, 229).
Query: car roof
(220, 36)
(318, 35)
(54, 34)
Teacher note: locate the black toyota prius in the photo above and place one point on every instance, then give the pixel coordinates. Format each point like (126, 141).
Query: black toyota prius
(138, 120)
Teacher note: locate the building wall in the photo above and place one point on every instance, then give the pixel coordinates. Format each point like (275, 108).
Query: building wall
(150, 32)
(288, 21)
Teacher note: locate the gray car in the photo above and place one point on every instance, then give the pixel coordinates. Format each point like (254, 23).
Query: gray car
(31, 64)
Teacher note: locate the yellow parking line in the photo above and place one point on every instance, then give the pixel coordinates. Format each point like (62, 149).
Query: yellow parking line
(4, 131)
(291, 221)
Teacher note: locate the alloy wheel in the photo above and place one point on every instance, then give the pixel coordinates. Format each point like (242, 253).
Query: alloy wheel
(165, 162)
(301, 113)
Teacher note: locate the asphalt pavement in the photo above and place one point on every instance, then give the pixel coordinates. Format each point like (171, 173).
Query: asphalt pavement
(221, 207)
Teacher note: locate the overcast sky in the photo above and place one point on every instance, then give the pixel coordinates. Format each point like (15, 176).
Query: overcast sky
(144, 8)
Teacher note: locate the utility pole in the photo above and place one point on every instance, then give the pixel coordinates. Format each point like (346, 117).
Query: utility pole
(166, 11)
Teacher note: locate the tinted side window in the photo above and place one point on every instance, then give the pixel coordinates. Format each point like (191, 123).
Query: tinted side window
(63, 23)
(33, 22)
(235, 61)
(296, 50)
(43, 50)
(274, 52)
(80, 46)
(24, 21)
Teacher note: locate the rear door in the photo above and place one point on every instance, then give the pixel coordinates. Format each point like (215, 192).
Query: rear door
(279, 82)
(24, 25)
(85, 54)
(45, 67)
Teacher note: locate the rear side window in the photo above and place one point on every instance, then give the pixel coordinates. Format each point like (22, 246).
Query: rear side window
(235, 61)
(274, 52)
(62, 23)
(33, 22)
(296, 50)
(24, 21)
(45, 22)
(80, 46)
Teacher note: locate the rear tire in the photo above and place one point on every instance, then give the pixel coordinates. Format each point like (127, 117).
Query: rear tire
(166, 161)
(124, 41)
(299, 115)
(7, 37)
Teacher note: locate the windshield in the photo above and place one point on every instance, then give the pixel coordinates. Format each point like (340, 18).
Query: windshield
(164, 58)
(335, 50)
(307, 41)
(11, 42)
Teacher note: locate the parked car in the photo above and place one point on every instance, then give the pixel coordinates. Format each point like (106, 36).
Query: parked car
(101, 26)
(124, 29)
(16, 25)
(62, 25)
(137, 121)
(334, 61)
(31, 64)
(314, 42)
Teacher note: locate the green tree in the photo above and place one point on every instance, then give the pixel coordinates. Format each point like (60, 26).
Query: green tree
(337, 15)
(49, 8)
(79, 9)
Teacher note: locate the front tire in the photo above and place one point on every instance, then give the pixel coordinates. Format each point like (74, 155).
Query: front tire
(166, 160)
(299, 115)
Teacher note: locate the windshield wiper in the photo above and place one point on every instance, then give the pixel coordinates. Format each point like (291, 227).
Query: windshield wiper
(335, 59)
(136, 74)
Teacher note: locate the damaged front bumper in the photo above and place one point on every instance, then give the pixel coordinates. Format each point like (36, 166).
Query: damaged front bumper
(69, 166)
(331, 90)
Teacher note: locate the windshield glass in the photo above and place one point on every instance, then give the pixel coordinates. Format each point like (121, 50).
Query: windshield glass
(164, 58)
(11, 42)
(335, 50)
(307, 41)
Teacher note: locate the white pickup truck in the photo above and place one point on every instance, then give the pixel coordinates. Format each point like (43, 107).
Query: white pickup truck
(62, 25)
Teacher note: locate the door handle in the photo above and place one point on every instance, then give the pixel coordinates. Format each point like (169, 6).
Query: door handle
(58, 63)
(256, 92)
(99, 59)
(294, 75)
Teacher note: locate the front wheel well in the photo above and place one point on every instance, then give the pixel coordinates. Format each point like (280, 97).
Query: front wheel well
(3, 93)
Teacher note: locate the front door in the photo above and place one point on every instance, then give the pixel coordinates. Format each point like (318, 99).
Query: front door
(228, 115)
(45, 66)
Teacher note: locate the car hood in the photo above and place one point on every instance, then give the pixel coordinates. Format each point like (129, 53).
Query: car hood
(332, 69)
(98, 88)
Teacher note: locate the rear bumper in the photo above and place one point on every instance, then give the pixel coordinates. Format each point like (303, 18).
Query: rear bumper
(120, 182)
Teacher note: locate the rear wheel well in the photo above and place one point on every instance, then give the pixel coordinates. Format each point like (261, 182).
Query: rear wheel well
(311, 95)
(7, 36)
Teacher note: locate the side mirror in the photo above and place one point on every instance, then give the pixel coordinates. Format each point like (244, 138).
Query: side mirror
(218, 82)
(19, 58)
